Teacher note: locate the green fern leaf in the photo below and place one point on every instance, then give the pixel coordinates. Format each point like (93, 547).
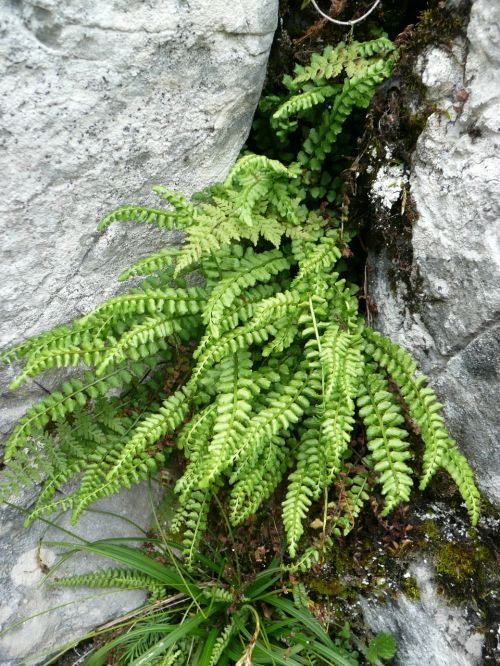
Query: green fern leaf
(386, 441)
(158, 261)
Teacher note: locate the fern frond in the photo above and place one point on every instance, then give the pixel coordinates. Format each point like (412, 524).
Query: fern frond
(284, 406)
(125, 579)
(176, 302)
(305, 484)
(144, 339)
(305, 101)
(71, 394)
(323, 66)
(222, 641)
(458, 468)
(163, 219)
(136, 458)
(386, 441)
(88, 354)
(177, 200)
(198, 429)
(252, 268)
(166, 420)
(250, 163)
(139, 468)
(233, 409)
(352, 504)
(342, 362)
(321, 258)
(356, 92)
(198, 436)
(352, 57)
(260, 482)
(222, 224)
(192, 518)
(305, 561)
(283, 338)
(158, 261)
(26, 468)
(422, 402)
(255, 331)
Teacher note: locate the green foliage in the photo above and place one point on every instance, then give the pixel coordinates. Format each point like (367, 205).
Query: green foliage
(387, 443)
(382, 646)
(266, 368)
(210, 616)
(125, 579)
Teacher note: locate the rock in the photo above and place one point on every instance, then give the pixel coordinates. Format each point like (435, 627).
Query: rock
(99, 102)
(78, 609)
(447, 310)
(427, 631)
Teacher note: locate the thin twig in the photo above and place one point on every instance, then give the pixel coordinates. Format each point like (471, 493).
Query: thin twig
(350, 23)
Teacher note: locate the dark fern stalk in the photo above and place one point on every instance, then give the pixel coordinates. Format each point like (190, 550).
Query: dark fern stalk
(282, 361)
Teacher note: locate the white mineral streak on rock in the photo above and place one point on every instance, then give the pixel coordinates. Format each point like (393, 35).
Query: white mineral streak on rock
(448, 314)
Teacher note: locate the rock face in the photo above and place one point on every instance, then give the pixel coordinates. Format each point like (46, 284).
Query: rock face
(447, 312)
(427, 631)
(80, 610)
(99, 102)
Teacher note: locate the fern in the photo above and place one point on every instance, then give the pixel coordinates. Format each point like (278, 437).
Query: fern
(457, 467)
(252, 268)
(259, 374)
(329, 64)
(158, 261)
(305, 101)
(422, 402)
(158, 217)
(124, 579)
(387, 443)
(305, 485)
(352, 504)
(193, 519)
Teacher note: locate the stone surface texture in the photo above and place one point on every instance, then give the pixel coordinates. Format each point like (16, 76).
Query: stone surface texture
(24, 593)
(99, 101)
(447, 312)
(427, 631)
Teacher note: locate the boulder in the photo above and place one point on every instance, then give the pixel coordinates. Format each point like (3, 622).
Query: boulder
(99, 102)
(428, 630)
(47, 618)
(446, 313)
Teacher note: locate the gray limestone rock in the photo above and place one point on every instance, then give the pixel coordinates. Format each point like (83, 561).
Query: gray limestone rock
(99, 101)
(427, 631)
(76, 610)
(447, 313)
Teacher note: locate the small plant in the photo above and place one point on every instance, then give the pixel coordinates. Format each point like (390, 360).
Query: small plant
(210, 616)
(259, 374)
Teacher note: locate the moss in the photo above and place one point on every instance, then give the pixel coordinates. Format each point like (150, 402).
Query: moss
(464, 570)
(410, 588)
(455, 561)
(331, 588)
(438, 24)
(428, 529)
